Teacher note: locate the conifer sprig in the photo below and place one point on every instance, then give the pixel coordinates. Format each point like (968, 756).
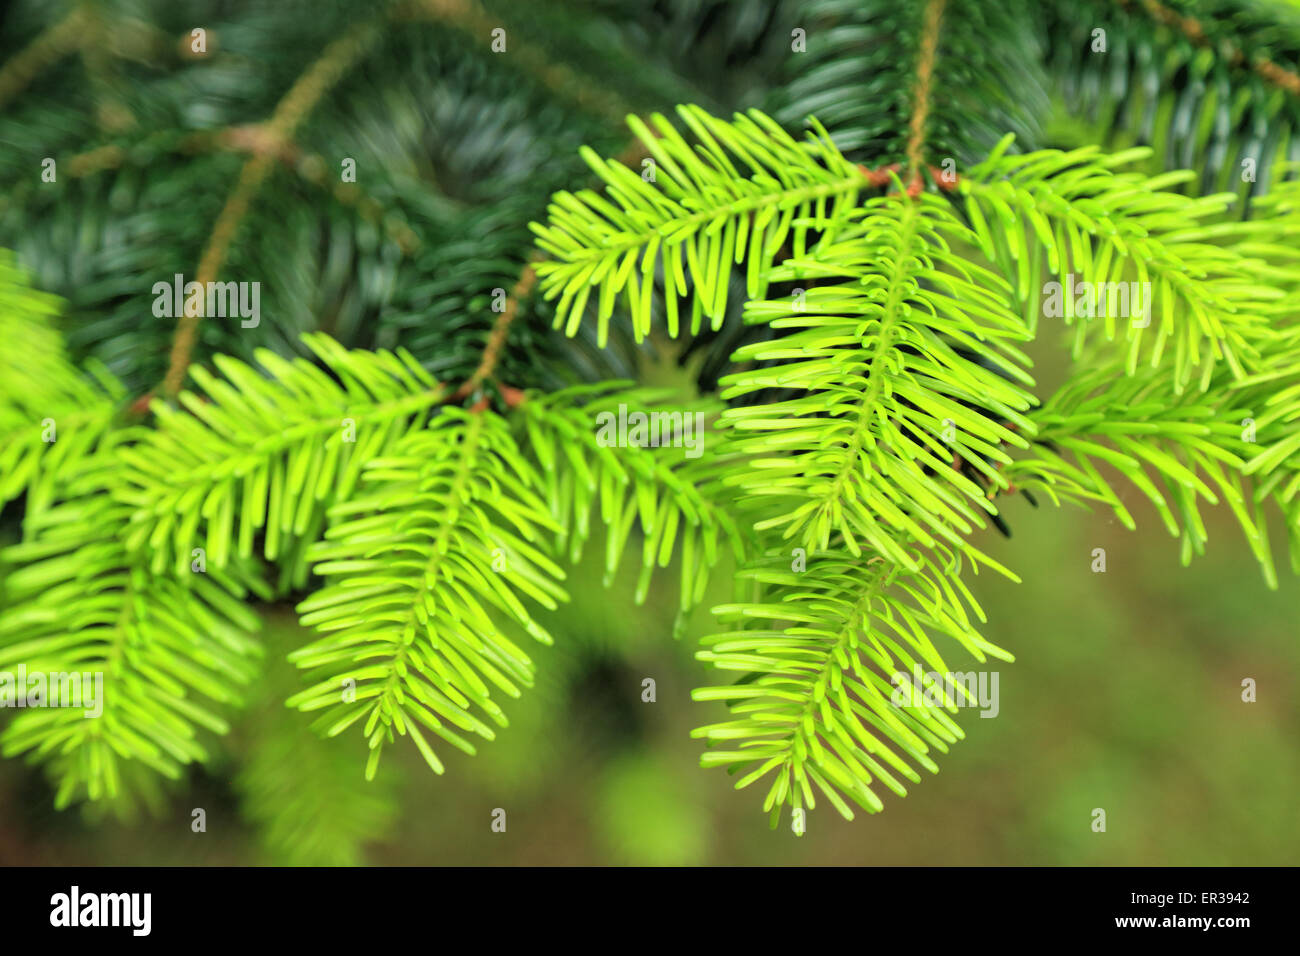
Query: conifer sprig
(734, 199)
(52, 415)
(822, 651)
(899, 371)
(674, 496)
(261, 454)
(173, 654)
(878, 409)
(444, 534)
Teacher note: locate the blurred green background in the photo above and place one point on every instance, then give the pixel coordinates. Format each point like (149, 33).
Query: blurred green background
(1125, 695)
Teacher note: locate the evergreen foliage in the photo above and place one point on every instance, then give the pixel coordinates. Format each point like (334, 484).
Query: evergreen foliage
(408, 449)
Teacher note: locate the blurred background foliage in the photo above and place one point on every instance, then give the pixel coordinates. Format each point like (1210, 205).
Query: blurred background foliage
(1126, 693)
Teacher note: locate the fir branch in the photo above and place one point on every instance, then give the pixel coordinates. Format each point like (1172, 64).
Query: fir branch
(676, 498)
(700, 209)
(1176, 449)
(873, 427)
(1205, 84)
(262, 454)
(903, 365)
(822, 648)
(445, 532)
(1072, 213)
(77, 603)
(52, 416)
(1195, 30)
(885, 78)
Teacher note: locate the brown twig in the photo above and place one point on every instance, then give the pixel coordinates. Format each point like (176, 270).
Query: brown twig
(95, 160)
(497, 338)
(879, 177)
(268, 146)
(250, 139)
(921, 95)
(51, 45)
(1191, 28)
